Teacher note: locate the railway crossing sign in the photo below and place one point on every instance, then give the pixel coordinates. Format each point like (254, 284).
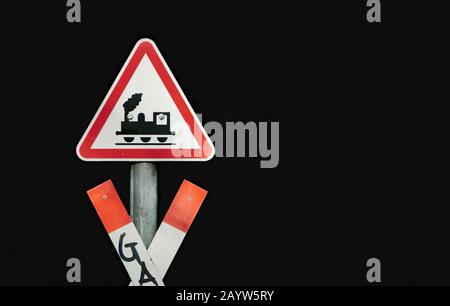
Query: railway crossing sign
(145, 116)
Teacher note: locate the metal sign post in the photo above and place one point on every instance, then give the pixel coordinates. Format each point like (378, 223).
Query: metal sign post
(144, 199)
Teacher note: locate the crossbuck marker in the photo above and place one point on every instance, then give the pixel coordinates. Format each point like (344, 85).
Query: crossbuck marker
(175, 225)
(124, 235)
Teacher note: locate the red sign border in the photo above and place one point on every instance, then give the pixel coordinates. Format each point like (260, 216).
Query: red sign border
(144, 47)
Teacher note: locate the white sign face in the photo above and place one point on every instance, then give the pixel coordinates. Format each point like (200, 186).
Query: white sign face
(135, 257)
(145, 116)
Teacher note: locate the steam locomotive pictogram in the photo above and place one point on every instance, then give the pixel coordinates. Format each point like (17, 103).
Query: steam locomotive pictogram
(159, 127)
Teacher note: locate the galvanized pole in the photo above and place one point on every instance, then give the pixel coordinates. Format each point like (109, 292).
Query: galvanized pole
(144, 199)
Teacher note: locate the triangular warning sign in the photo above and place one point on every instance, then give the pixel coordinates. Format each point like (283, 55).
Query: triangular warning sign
(145, 116)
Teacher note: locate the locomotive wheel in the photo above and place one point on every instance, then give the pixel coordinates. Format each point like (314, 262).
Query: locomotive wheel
(162, 139)
(128, 139)
(145, 139)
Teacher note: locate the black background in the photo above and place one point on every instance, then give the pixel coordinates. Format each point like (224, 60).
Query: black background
(362, 144)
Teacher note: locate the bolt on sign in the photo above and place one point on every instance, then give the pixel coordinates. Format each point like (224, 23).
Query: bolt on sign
(145, 116)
